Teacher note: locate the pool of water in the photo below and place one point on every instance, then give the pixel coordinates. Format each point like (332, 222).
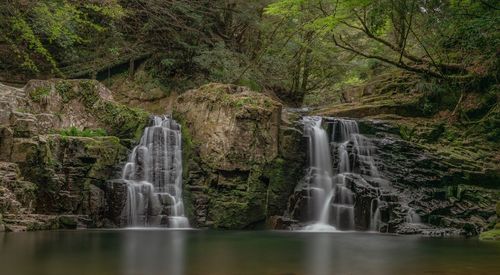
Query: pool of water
(145, 252)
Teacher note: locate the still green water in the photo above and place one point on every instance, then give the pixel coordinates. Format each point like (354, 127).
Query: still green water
(145, 252)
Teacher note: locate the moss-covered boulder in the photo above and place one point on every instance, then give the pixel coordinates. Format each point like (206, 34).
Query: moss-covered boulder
(490, 235)
(236, 128)
(69, 169)
(493, 234)
(81, 104)
(241, 159)
(61, 142)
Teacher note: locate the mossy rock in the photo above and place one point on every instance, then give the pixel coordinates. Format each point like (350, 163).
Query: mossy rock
(121, 121)
(40, 94)
(85, 104)
(64, 167)
(68, 222)
(234, 127)
(491, 235)
(236, 214)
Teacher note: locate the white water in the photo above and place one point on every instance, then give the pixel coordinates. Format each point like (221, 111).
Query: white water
(321, 185)
(332, 202)
(153, 175)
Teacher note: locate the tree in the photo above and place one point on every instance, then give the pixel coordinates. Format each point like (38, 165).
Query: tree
(43, 33)
(396, 32)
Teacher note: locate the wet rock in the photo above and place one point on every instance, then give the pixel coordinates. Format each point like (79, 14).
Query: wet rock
(116, 198)
(68, 222)
(6, 143)
(280, 222)
(443, 191)
(45, 174)
(23, 127)
(240, 156)
(22, 148)
(235, 127)
(419, 190)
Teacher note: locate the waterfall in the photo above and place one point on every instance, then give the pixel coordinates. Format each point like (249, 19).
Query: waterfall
(153, 175)
(412, 216)
(332, 160)
(375, 219)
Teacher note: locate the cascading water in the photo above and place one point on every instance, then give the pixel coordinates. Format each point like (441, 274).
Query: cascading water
(326, 189)
(153, 175)
(332, 202)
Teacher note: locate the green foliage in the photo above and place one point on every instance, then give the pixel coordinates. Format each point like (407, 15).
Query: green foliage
(65, 90)
(294, 48)
(39, 94)
(491, 235)
(40, 32)
(406, 132)
(219, 63)
(438, 95)
(76, 132)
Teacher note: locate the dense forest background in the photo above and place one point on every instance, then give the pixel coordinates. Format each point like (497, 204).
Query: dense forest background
(304, 51)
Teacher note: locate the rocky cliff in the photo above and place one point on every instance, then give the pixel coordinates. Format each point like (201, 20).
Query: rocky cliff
(61, 141)
(242, 157)
(438, 150)
(446, 191)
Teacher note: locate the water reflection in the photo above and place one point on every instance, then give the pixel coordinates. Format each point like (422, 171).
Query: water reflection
(319, 255)
(156, 252)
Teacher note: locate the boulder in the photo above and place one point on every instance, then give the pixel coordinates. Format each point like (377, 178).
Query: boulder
(234, 126)
(239, 156)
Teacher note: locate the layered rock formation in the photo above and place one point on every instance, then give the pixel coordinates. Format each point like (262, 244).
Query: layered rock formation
(439, 150)
(52, 178)
(445, 191)
(241, 158)
(417, 190)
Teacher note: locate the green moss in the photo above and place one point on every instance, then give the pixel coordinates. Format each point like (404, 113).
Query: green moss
(187, 157)
(226, 95)
(52, 224)
(245, 101)
(105, 153)
(282, 176)
(67, 222)
(39, 94)
(119, 120)
(89, 93)
(253, 85)
(75, 132)
(122, 121)
(406, 132)
(65, 90)
(491, 235)
(235, 210)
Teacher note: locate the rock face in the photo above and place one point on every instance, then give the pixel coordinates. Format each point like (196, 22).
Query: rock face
(241, 158)
(445, 190)
(54, 180)
(424, 191)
